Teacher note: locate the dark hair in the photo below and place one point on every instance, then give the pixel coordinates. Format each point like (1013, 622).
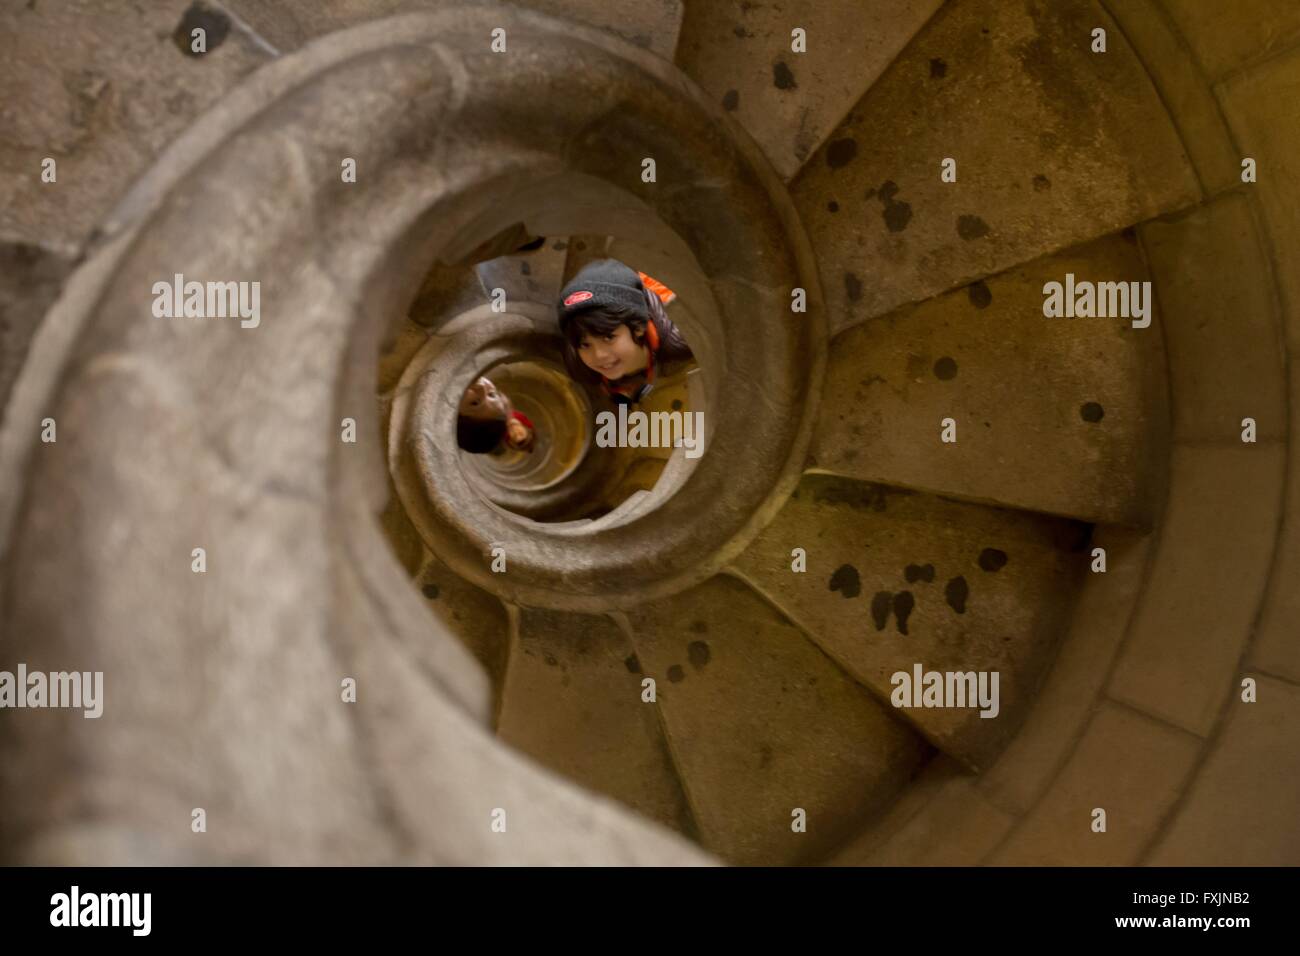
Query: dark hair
(601, 321)
(479, 436)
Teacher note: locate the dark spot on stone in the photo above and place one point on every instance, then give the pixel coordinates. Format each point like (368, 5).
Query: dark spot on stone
(731, 100)
(641, 40)
(676, 674)
(1042, 183)
(632, 664)
(903, 604)
(699, 627)
(979, 293)
(1129, 233)
(972, 227)
(782, 77)
(897, 216)
(430, 591)
(738, 31)
(1091, 412)
(551, 661)
(846, 581)
(764, 756)
(919, 572)
(841, 152)
(881, 604)
(580, 246)
(852, 287)
(698, 651)
(945, 369)
(833, 206)
(677, 404)
(897, 213)
(214, 24)
(560, 245)
(993, 559)
(956, 593)
(525, 268)
(938, 69)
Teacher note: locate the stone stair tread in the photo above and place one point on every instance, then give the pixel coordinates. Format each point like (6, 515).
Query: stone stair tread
(1058, 415)
(761, 722)
(986, 589)
(572, 701)
(789, 102)
(1054, 145)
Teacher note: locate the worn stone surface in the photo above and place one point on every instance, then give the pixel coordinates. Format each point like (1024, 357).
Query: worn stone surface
(1258, 105)
(1126, 764)
(1215, 548)
(171, 434)
(895, 579)
(940, 820)
(760, 722)
(113, 89)
(30, 279)
(227, 684)
(1276, 646)
(1036, 123)
(1240, 807)
(477, 618)
(572, 701)
(1174, 70)
(790, 102)
(1098, 623)
(1060, 415)
(959, 828)
(1227, 37)
(290, 23)
(1221, 327)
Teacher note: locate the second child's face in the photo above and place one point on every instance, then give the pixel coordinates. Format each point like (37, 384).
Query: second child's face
(612, 355)
(482, 401)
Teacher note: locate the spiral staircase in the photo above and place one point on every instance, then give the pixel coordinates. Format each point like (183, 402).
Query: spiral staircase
(504, 620)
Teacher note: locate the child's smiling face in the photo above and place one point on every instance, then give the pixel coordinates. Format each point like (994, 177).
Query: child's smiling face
(612, 354)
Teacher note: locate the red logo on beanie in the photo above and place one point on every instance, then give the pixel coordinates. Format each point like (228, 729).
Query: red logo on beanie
(576, 297)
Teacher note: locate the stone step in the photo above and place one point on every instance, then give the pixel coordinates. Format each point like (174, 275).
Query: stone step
(895, 579)
(477, 618)
(291, 23)
(1067, 416)
(790, 102)
(1054, 145)
(116, 83)
(572, 702)
(526, 275)
(761, 723)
